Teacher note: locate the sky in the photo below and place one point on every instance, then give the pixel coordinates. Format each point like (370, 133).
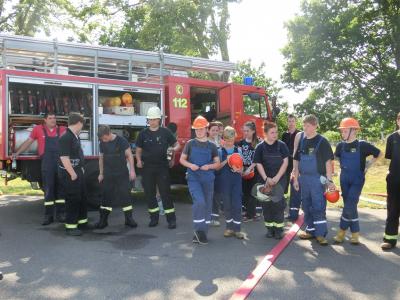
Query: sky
(258, 33)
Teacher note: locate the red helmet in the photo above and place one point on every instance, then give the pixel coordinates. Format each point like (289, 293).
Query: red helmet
(332, 196)
(200, 122)
(235, 161)
(349, 123)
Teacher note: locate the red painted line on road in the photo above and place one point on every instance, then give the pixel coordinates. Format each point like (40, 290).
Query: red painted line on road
(255, 276)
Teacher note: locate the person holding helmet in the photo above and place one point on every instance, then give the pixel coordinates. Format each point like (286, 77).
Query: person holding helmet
(352, 154)
(393, 189)
(272, 158)
(151, 156)
(230, 183)
(200, 157)
(115, 176)
(312, 167)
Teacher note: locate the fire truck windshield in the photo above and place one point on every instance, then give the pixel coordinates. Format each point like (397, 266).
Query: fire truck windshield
(254, 105)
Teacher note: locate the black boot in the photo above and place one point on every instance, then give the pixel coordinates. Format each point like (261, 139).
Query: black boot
(129, 221)
(103, 222)
(270, 232)
(172, 224)
(47, 220)
(171, 219)
(154, 220)
(278, 233)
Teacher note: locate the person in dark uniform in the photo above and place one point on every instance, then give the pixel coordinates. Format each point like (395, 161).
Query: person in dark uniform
(248, 147)
(295, 197)
(115, 176)
(271, 157)
(393, 189)
(47, 136)
(151, 154)
(71, 174)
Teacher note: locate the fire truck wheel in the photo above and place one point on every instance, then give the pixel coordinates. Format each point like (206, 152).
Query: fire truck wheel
(92, 184)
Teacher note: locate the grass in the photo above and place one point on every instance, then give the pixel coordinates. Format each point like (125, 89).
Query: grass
(375, 183)
(18, 187)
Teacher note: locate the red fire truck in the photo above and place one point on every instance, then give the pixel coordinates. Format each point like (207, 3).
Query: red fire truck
(39, 76)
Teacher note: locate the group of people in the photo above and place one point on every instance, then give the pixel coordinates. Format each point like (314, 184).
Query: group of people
(302, 160)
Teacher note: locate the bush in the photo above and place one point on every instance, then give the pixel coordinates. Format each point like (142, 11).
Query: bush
(333, 137)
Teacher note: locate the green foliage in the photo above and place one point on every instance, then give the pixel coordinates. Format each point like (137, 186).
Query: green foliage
(333, 136)
(195, 28)
(348, 51)
(245, 69)
(28, 17)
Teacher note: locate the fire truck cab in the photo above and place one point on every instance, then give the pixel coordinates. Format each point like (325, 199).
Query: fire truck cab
(110, 86)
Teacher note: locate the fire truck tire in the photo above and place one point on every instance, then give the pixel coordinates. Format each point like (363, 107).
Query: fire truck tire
(92, 184)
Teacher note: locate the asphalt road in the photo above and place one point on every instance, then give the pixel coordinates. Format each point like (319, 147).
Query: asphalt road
(307, 271)
(157, 263)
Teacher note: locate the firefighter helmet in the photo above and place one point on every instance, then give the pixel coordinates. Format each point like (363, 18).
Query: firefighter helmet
(154, 113)
(349, 123)
(235, 161)
(332, 196)
(249, 176)
(200, 122)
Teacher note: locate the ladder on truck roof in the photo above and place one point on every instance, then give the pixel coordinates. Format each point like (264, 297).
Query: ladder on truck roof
(32, 54)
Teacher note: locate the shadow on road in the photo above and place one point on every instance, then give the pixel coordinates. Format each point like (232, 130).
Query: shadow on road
(309, 271)
(143, 263)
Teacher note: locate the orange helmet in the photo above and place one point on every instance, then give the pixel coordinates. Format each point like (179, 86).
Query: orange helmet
(249, 176)
(235, 161)
(200, 122)
(332, 196)
(349, 123)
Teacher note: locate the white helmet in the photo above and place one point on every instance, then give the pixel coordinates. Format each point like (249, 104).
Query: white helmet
(154, 113)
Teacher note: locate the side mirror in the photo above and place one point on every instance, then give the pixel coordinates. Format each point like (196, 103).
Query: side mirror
(275, 112)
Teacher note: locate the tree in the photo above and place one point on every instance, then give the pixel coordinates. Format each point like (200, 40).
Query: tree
(245, 69)
(348, 51)
(186, 27)
(28, 17)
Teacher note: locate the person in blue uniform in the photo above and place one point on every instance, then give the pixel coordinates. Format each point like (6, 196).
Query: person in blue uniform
(230, 186)
(200, 157)
(352, 155)
(312, 172)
